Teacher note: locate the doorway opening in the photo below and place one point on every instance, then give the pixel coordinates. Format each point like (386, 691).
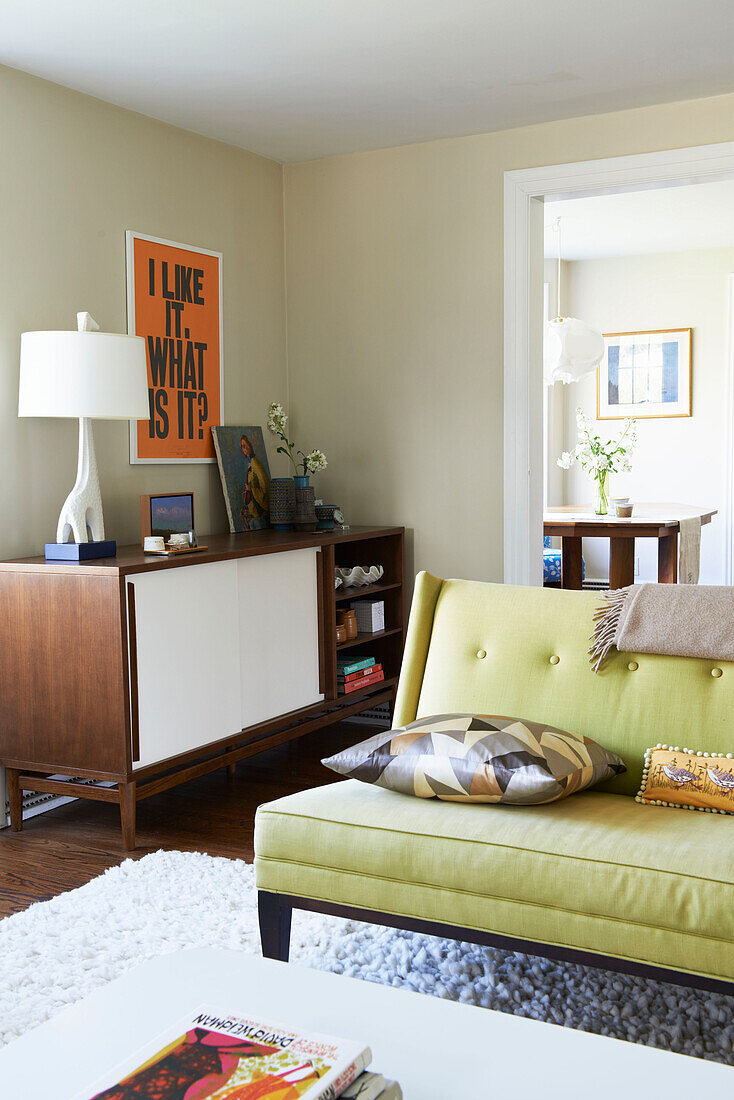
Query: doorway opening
(603, 204)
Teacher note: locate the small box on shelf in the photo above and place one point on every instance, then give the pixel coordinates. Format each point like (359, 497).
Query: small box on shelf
(370, 615)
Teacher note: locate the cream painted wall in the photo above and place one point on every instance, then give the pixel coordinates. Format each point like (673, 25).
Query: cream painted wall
(676, 460)
(394, 265)
(76, 174)
(394, 301)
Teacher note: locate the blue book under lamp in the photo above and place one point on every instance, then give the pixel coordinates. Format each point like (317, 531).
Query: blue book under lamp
(90, 375)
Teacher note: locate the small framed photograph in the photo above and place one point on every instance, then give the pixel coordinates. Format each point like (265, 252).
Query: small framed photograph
(166, 514)
(645, 375)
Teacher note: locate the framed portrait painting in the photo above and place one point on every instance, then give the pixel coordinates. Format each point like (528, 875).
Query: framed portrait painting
(645, 375)
(245, 474)
(174, 301)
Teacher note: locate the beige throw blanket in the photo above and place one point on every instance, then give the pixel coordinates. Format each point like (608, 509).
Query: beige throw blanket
(679, 620)
(689, 550)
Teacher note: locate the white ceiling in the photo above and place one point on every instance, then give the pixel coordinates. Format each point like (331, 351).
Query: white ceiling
(297, 79)
(673, 219)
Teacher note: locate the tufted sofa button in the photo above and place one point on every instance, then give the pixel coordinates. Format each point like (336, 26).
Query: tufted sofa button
(716, 672)
(481, 654)
(633, 666)
(554, 659)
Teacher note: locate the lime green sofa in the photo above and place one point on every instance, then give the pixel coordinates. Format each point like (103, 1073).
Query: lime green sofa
(596, 877)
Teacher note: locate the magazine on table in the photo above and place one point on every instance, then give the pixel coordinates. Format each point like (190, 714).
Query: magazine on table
(372, 1086)
(209, 1055)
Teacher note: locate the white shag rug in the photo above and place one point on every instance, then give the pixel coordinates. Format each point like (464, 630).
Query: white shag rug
(57, 951)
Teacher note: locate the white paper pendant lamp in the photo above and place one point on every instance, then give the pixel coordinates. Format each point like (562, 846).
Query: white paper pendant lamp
(571, 348)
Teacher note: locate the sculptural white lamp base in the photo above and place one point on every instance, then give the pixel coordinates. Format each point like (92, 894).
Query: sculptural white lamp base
(81, 516)
(85, 374)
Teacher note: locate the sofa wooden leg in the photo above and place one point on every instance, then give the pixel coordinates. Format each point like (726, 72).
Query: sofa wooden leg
(15, 799)
(275, 925)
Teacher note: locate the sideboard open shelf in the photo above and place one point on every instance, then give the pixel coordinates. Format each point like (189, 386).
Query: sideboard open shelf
(123, 677)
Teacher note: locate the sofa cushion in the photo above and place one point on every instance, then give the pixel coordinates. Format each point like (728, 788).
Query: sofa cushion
(499, 649)
(479, 758)
(597, 872)
(687, 779)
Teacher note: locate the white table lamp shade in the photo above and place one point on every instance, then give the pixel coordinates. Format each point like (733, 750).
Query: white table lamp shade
(88, 375)
(100, 375)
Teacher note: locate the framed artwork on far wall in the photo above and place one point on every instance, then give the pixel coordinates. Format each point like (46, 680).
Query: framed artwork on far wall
(166, 514)
(245, 474)
(645, 374)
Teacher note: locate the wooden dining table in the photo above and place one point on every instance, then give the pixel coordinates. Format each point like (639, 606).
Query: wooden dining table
(572, 523)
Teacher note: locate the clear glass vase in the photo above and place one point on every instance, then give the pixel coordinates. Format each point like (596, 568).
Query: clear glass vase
(601, 494)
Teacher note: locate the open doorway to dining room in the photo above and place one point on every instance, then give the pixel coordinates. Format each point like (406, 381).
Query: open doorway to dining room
(647, 245)
(651, 271)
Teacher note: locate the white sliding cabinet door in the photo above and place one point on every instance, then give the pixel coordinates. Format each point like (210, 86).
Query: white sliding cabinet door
(279, 634)
(187, 657)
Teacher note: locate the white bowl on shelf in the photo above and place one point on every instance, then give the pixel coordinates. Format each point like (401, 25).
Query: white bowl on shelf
(358, 576)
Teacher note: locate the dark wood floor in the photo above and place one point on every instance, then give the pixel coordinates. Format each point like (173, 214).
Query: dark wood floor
(66, 847)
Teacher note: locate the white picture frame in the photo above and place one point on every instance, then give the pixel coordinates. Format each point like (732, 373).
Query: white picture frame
(646, 375)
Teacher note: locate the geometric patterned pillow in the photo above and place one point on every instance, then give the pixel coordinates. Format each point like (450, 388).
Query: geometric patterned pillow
(479, 758)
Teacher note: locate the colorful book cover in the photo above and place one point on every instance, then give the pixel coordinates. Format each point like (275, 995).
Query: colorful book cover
(375, 678)
(211, 1056)
(346, 666)
(358, 675)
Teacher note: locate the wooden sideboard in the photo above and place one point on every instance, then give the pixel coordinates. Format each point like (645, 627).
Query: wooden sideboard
(123, 677)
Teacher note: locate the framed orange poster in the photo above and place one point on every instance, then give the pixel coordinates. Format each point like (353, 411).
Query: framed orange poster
(174, 301)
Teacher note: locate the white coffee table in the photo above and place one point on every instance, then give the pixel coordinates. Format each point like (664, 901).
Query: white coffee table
(437, 1050)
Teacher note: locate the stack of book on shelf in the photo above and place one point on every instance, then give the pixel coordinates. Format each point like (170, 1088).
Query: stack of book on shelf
(370, 615)
(227, 1056)
(352, 674)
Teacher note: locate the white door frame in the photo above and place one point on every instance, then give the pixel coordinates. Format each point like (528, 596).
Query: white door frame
(525, 190)
(728, 510)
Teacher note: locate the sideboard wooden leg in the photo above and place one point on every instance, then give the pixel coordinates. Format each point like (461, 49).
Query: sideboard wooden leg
(127, 815)
(231, 771)
(275, 925)
(15, 799)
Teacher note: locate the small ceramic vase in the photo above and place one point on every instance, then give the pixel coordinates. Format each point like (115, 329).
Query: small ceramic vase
(282, 503)
(351, 624)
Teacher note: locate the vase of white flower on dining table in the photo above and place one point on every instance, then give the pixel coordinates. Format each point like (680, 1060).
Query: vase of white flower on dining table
(600, 459)
(304, 466)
